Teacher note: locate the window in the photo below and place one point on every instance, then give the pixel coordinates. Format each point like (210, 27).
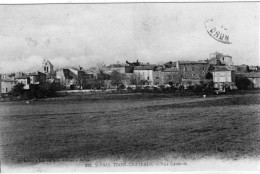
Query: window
(6, 90)
(47, 69)
(44, 68)
(184, 69)
(157, 77)
(147, 78)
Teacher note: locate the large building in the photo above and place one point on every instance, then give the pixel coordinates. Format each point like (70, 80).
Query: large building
(192, 70)
(220, 59)
(145, 73)
(166, 76)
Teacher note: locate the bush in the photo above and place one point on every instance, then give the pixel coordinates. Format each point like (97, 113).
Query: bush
(138, 89)
(18, 89)
(129, 88)
(242, 82)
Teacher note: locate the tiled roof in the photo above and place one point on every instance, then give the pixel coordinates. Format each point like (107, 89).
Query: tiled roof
(115, 66)
(192, 62)
(253, 75)
(34, 73)
(21, 77)
(147, 67)
(172, 69)
(222, 68)
(8, 80)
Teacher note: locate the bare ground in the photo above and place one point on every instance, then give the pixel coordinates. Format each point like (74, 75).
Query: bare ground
(182, 127)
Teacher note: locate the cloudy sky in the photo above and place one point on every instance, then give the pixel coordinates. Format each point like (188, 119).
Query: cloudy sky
(85, 34)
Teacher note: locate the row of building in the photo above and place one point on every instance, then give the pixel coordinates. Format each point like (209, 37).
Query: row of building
(218, 67)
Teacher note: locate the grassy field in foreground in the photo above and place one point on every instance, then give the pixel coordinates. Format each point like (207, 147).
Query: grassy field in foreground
(222, 127)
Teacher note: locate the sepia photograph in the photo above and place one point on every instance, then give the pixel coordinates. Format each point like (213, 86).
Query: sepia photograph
(129, 87)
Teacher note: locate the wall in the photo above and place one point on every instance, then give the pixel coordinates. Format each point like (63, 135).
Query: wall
(193, 71)
(222, 76)
(6, 86)
(170, 77)
(255, 81)
(25, 82)
(145, 75)
(157, 78)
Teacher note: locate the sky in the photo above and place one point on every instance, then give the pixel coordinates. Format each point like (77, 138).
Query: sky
(87, 34)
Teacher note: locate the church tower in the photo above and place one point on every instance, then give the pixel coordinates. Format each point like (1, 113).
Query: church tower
(47, 68)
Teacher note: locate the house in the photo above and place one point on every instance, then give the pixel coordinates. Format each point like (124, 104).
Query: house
(6, 84)
(158, 75)
(68, 77)
(25, 80)
(145, 73)
(171, 76)
(37, 77)
(254, 68)
(241, 68)
(192, 70)
(223, 75)
(254, 77)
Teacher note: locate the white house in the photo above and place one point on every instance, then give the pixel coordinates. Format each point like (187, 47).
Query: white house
(6, 84)
(223, 75)
(145, 73)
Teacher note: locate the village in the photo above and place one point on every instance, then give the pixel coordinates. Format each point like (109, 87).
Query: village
(217, 73)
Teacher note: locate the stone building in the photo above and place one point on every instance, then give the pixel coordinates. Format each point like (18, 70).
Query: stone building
(47, 68)
(254, 77)
(67, 77)
(217, 58)
(171, 76)
(192, 70)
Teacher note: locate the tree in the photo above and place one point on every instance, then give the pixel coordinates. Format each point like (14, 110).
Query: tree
(242, 82)
(18, 90)
(117, 78)
(209, 76)
(134, 79)
(102, 76)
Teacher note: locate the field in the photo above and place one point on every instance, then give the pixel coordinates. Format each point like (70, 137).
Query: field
(225, 126)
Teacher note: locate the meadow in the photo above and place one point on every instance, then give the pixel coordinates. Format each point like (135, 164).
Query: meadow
(191, 127)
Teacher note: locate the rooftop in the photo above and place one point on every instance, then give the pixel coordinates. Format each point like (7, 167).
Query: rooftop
(253, 75)
(8, 80)
(21, 77)
(193, 62)
(222, 68)
(147, 67)
(172, 69)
